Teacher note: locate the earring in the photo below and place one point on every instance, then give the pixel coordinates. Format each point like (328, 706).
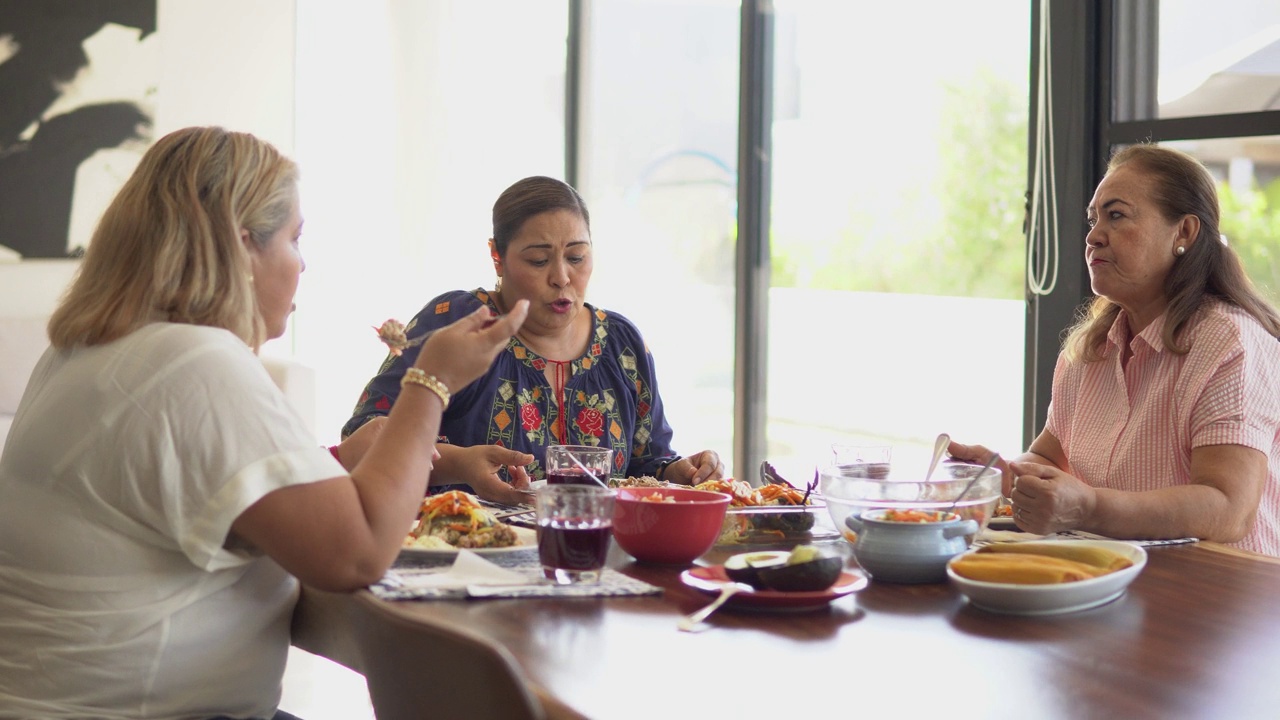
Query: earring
(1180, 251)
(497, 285)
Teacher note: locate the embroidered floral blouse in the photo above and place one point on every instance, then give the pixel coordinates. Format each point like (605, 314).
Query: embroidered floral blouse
(610, 394)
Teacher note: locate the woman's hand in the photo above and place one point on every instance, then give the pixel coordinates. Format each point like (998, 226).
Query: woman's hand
(1047, 500)
(980, 454)
(697, 468)
(460, 352)
(478, 466)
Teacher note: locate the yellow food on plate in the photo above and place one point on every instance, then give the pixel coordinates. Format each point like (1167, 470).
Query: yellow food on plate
(426, 542)
(1021, 569)
(458, 520)
(1098, 557)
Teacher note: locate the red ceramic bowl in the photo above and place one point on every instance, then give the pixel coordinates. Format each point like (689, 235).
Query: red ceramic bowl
(671, 533)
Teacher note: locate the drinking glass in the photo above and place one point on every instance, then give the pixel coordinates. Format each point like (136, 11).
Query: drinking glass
(871, 461)
(562, 470)
(575, 524)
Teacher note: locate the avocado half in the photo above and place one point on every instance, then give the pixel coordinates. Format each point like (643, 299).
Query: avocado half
(804, 569)
(746, 567)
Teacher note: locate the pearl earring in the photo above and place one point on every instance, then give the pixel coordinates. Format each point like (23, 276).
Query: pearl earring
(1180, 251)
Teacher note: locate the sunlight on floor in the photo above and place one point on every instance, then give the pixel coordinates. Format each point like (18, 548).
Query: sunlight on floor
(318, 689)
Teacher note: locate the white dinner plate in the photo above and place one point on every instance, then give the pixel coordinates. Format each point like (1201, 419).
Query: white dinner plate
(526, 538)
(1011, 599)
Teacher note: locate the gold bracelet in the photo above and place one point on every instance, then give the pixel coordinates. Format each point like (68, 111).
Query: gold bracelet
(414, 376)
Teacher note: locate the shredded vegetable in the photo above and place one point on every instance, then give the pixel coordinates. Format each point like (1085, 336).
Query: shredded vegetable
(916, 516)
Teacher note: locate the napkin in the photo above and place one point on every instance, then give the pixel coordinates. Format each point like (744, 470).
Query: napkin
(468, 570)
(506, 575)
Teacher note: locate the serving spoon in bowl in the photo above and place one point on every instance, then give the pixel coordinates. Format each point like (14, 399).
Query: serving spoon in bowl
(939, 447)
(969, 486)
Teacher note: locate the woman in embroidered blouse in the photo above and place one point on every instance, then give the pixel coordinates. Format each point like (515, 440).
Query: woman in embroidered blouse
(574, 375)
(1165, 415)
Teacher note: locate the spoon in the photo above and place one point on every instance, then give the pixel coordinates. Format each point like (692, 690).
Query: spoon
(939, 447)
(990, 461)
(584, 469)
(690, 623)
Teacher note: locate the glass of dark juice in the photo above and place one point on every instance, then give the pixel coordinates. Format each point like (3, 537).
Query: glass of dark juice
(578, 465)
(575, 525)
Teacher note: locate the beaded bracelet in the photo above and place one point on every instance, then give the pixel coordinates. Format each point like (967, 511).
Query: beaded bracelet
(414, 376)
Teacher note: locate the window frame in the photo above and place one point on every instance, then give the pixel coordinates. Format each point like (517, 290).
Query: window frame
(1104, 56)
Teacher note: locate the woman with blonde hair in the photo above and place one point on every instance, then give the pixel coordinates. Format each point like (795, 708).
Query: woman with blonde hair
(159, 501)
(1165, 415)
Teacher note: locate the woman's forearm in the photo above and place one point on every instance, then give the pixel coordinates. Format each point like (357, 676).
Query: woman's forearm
(1220, 503)
(1196, 511)
(392, 478)
(445, 470)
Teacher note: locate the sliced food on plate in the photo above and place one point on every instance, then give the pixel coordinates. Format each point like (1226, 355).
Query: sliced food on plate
(1038, 563)
(455, 519)
(761, 526)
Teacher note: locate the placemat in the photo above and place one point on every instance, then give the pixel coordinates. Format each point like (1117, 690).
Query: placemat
(398, 583)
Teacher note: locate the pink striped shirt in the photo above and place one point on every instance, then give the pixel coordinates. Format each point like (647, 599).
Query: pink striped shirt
(1134, 428)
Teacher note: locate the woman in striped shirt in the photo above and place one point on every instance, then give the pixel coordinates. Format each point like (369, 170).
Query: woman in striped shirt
(1165, 415)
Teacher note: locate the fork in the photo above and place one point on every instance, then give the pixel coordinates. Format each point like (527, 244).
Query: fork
(693, 621)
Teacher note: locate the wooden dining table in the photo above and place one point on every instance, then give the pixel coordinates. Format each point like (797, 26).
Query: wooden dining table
(1196, 635)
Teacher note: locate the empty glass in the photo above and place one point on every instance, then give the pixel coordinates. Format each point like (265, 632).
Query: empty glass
(872, 461)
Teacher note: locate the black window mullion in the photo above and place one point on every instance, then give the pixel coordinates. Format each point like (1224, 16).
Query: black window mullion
(1194, 128)
(1076, 74)
(573, 91)
(751, 341)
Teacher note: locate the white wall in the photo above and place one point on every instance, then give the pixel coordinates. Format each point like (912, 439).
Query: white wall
(412, 118)
(229, 63)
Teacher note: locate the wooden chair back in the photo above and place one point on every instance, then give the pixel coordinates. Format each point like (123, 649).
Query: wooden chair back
(418, 670)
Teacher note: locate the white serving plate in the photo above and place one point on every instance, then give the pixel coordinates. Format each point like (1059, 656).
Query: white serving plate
(1067, 597)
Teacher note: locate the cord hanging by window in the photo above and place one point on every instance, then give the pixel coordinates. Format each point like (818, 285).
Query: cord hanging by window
(1042, 226)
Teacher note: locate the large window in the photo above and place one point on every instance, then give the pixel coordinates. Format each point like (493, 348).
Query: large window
(1228, 62)
(899, 172)
(658, 168)
(412, 118)
(1169, 72)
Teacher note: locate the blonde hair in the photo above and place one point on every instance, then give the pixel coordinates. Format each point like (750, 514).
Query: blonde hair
(1209, 269)
(168, 248)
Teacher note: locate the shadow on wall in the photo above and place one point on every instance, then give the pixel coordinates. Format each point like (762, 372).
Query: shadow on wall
(37, 175)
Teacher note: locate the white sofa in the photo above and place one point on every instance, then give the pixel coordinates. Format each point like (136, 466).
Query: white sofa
(28, 293)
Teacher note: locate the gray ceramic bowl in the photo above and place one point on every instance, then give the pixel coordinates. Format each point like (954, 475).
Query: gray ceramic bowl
(908, 552)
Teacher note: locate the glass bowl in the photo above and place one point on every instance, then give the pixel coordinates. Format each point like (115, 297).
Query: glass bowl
(852, 490)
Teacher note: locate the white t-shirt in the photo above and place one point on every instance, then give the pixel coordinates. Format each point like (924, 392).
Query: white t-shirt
(124, 469)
